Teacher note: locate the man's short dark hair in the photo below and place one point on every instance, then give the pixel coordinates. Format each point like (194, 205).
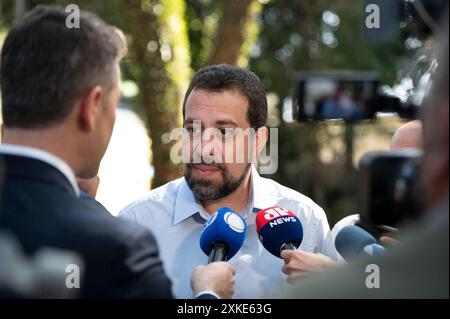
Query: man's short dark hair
(223, 77)
(46, 66)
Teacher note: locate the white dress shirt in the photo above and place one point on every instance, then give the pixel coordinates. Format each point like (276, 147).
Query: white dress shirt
(41, 155)
(176, 219)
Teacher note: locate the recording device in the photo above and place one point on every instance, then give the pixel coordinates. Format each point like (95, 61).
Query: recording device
(278, 229)
(383, 20)
(223, 235)
(354, 95)
(43, 275)
(390, 194)
(352, 242)
(345, 95)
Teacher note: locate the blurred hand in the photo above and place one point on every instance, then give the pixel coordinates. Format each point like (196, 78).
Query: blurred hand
(89, 185)
(299, 264)
(217, 277)
(388, 241)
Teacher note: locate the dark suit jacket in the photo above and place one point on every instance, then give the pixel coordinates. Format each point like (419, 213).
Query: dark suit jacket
(39, 206)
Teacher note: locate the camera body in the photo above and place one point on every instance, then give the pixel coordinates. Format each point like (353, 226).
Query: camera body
(384, 19)
(357, 95)
(390, 194)
(345, 95)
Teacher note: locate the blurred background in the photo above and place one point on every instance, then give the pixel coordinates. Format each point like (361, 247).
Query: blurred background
(170, 39)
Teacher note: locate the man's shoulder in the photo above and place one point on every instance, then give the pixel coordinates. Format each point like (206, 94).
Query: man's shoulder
(161, 198)
(72, 222)
(104, 240)
(97, 222)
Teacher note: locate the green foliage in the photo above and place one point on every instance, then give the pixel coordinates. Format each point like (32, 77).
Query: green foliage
(169, 39)
(203, 20)
(319, 35)
(252, 30)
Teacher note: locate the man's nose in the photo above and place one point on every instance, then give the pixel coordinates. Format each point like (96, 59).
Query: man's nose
(211, 144)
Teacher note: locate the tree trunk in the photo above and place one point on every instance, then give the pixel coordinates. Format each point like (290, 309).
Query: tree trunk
(348, 140)
(230, 33)
(159, 86)
(162, 81)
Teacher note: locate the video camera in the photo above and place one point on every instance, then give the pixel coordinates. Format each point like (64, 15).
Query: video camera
(354, 95)
(388, 181)
(350, 96)
(390, 191)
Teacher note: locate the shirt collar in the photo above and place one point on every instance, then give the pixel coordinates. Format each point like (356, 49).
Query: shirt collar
(44, 156)
(186, 204)
(262, 191)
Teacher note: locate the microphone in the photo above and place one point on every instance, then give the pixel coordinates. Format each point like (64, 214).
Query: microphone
(223, 235)
(353, 241)
(279, 229)
(373, 250)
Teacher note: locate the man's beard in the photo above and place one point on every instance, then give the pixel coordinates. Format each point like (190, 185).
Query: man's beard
(205, 190)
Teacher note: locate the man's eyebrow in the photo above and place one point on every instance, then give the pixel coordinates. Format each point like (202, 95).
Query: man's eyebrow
(226, 122)
(190, 120)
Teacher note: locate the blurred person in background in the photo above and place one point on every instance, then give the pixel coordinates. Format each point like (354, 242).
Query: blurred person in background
(409, 135)
(299, 264)
(418, 265)
(88, 186)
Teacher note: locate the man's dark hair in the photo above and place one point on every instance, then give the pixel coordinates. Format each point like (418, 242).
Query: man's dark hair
(223, 77)
(46, 66)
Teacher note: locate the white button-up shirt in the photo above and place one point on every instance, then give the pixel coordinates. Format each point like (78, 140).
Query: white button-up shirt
(176, 219)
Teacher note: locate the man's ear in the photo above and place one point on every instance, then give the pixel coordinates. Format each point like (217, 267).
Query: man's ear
(262, 136)
(89, 108)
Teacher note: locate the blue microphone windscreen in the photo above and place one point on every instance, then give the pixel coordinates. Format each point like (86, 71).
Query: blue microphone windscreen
(373, 250)
(225, 226)
(351, 240)
(275, 231)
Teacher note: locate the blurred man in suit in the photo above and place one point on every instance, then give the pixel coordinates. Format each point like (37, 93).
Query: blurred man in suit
(60, 90)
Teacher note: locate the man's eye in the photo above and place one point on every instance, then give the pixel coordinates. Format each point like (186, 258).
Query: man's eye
(193, 130)
(227, 132)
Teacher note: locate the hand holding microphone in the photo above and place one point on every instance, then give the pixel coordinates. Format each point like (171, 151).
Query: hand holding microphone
(281, 233)
(279, 229)
(222, 237)
(217, 277)
(299, 264)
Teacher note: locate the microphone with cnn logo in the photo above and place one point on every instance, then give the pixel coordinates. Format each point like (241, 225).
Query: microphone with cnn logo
(279, 229)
